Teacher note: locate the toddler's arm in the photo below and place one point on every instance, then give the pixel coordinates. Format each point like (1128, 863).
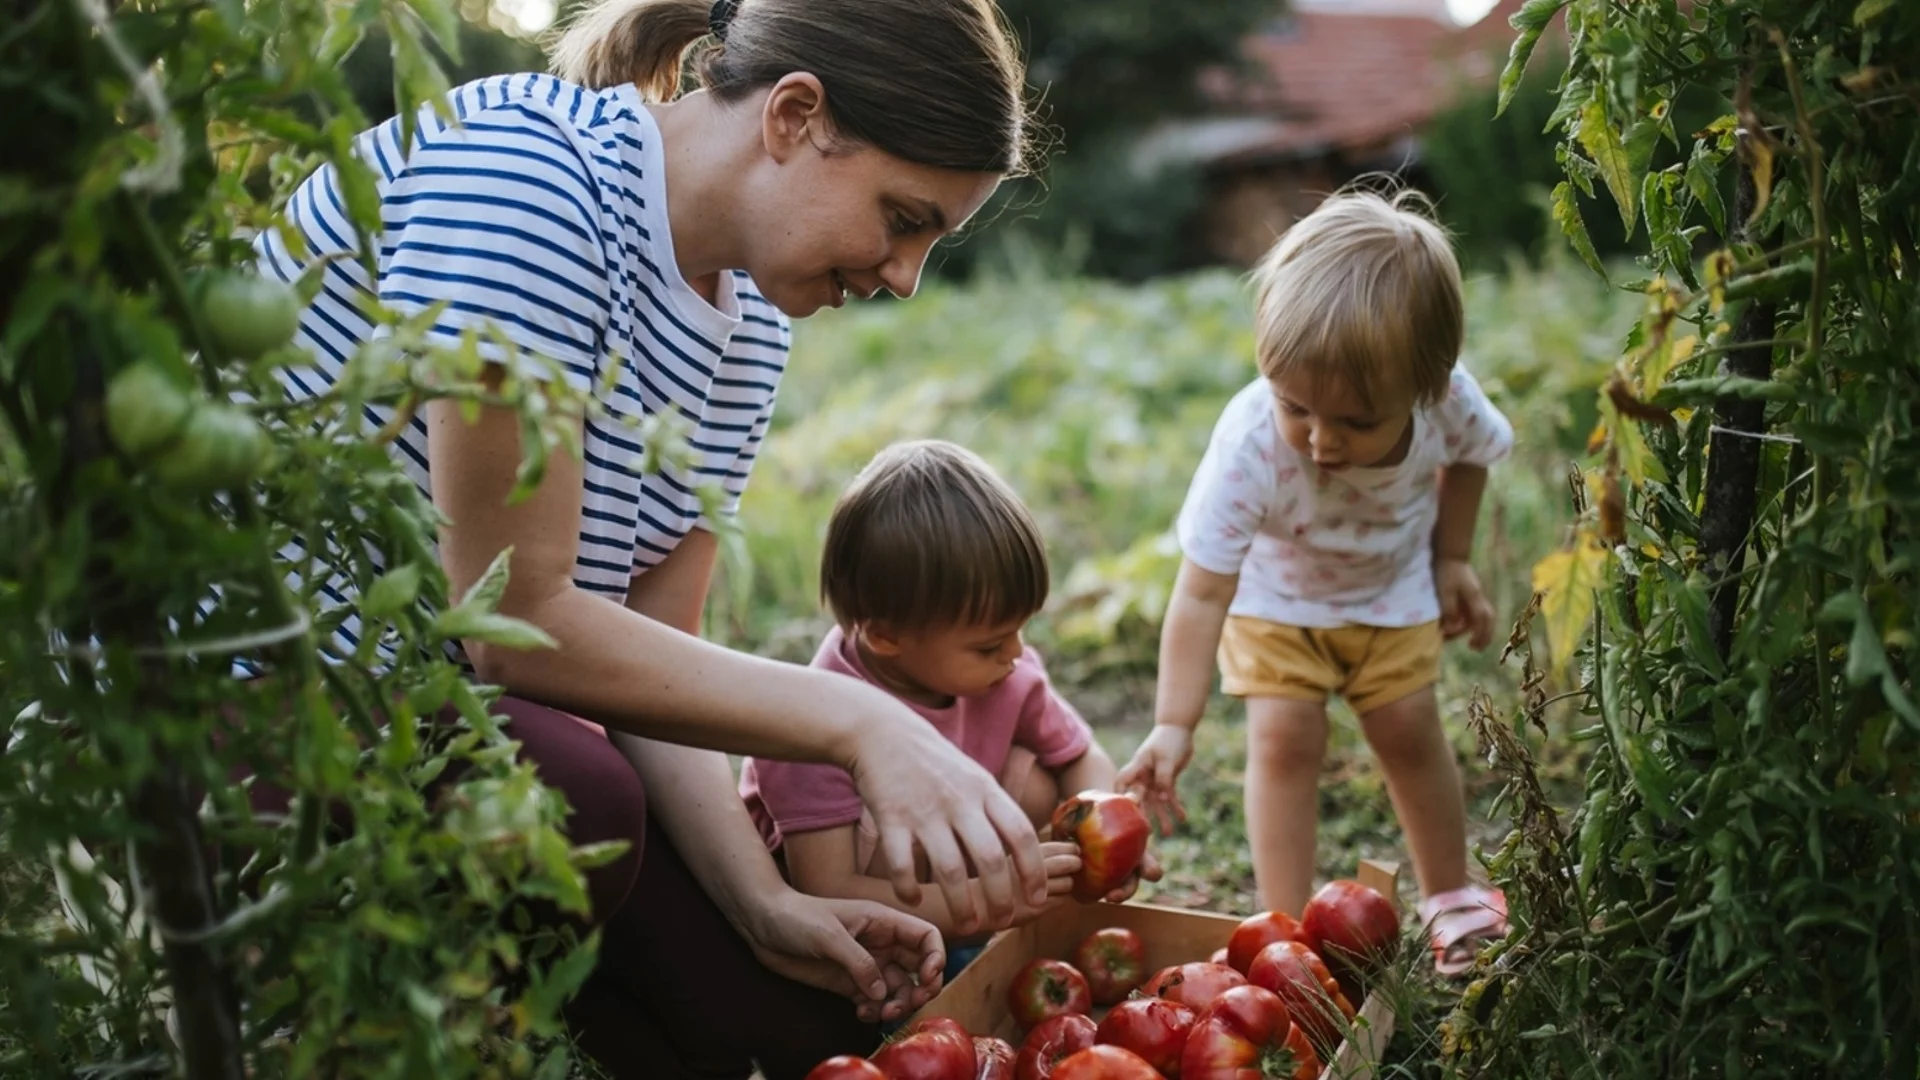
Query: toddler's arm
(1464, 608)
(1189, 638)
(822, 863)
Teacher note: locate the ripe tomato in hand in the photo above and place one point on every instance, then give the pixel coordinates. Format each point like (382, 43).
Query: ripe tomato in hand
(1257, 933)
(1156, 1030)
(1247, 1035)
(1194, 985)
(846, 1068)
(1304, 985)
(1350, 926)
(1047, 1045)
(933, 1049)
(1114, 961)
(1111, 831)
(1105, 1063)
(993, 1058)
(1046, 988)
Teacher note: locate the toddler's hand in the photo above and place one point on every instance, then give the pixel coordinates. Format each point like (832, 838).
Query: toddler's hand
(1150, 777)
(1464, 608)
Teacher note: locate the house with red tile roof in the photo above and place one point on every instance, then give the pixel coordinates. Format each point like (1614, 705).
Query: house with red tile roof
(1326, 91)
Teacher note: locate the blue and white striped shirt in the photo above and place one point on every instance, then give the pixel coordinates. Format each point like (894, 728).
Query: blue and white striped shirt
(541, 216)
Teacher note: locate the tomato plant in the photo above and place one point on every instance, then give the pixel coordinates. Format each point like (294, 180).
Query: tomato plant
(1111, 831)
(1114, 960)
(1247, 1034)
(1194, 985)
(1303, 984)
(1044, 988)
(1105, 1063)
(1052, 1041)
(1155, 1029)
(1256, 932)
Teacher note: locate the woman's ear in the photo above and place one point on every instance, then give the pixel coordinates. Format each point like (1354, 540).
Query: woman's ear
(794, 118)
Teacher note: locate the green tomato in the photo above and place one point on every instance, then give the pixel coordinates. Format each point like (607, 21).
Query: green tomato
(248, 314)
(145, 408)
(221, 447)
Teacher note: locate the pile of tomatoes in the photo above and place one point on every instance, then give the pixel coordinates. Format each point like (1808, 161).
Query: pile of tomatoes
(1272, 1004)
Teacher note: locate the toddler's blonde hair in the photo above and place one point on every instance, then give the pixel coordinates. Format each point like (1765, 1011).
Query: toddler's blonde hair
(1365, 290)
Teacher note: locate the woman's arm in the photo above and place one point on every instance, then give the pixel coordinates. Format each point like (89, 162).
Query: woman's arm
(633, 674)
(821, 862)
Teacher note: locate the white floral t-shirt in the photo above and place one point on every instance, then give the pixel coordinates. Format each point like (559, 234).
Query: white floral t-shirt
(1325, 548)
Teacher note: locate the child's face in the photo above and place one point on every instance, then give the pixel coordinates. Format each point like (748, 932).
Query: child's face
(933, 664)
(1326, 422)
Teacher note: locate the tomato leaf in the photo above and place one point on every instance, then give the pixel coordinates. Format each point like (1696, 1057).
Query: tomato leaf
(1566, 580)
(1566, 214)
(392, 593)
(1602, 143)
(467, 624)
(1530, 20)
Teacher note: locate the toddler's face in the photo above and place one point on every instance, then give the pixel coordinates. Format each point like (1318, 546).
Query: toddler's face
(1327, 422)
(946, 662)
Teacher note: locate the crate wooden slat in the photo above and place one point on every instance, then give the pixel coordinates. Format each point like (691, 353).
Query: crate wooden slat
(977, 999)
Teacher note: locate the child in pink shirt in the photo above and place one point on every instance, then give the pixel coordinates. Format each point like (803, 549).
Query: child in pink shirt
(932, 568)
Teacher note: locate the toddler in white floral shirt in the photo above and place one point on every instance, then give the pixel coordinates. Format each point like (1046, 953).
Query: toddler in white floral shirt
(1325, 540)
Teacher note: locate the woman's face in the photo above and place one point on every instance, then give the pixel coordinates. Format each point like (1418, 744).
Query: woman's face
(832, 219)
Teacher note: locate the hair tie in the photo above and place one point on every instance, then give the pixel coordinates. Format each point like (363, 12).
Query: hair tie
(720, 16)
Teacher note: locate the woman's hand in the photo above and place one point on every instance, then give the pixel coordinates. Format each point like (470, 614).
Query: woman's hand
(926, 795)
(887, 962)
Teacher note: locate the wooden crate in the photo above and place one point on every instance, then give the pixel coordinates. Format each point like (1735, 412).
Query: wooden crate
(977, 999)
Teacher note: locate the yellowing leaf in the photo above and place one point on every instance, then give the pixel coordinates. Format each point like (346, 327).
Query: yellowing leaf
(1630, 442)
(1602, 143)
(1661, 361)
(1870, 10)
(1759, 153)
(1565, 581)
(1566, 214)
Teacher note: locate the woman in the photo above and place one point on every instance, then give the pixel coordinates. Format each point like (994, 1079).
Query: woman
(652, 248)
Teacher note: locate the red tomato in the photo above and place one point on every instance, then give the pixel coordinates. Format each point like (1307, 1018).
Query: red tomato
(932, 1049)
(1305, 987)
(1111, 831)
(1257, 933)
(1156, 1030)
(1105, 1063)
(1351, 926)
(1219, 956)
(994, 1058)
(1052, 1042)
(1114, 961)
(1194, 985)
(1046, 988)
(846, 1068)
(1247, 1035)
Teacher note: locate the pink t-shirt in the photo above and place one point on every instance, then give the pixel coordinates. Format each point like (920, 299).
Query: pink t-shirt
(787, 797)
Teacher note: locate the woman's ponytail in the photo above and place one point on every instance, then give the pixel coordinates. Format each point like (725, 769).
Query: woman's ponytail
(638, 41)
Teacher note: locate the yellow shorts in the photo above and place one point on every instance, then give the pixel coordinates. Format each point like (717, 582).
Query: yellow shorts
(1369, 666)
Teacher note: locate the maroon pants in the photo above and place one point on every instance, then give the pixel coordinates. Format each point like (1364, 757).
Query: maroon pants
(677, 993)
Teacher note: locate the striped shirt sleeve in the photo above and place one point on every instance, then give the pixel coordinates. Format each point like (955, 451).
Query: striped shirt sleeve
(500, 224)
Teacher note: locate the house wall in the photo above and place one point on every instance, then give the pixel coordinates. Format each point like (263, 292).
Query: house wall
(1247, 208)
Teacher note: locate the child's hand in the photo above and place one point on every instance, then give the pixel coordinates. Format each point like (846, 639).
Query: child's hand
(1463, 603)
(1151, 775)
(1062, 862)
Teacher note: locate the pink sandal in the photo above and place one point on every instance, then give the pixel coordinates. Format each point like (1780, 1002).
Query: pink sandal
(1461, 922)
